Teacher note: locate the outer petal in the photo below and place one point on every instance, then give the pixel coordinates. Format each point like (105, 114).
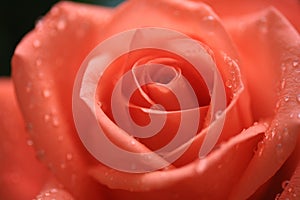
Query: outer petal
(278, 48)
(44, 68)
(21, 175)
(198, 180)
(236, 8)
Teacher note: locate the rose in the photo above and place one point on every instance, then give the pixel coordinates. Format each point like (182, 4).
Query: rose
(250, 163)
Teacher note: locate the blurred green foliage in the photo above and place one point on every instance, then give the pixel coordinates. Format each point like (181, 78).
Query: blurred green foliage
(18, 17)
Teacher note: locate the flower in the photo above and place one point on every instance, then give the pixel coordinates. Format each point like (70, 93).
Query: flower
(252, 46)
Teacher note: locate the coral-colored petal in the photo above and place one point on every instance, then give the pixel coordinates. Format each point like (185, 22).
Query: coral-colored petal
(236, 8)
(44, 68)
(278, 46)
(21, 175)
(202, 178)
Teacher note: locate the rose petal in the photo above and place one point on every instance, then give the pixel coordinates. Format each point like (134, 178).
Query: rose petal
(198, 21)
(202, 178)
(44, 68)
(236, 8)
(278, 46)
(21, 175)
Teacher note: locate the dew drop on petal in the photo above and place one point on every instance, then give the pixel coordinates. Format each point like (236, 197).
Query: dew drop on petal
(61, 24)
(283, 83)
(284, 184)
(36, 43)
(46, 93)
(228, 83)
(295, 63)
(46, 117)
(28, 87)
(63, 165)
(286, 98)
(29, 142)
(298, 98)
(69, 156)
(55, 121)
(53, 190)
(132, 142)
(283, 67)
(38, 62)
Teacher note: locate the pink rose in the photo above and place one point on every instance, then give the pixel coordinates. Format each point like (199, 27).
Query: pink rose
(255, 47)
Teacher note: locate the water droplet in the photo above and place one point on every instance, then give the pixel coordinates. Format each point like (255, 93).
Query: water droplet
(36, 43)
(283, 67)
(260, 148)
(285, 132)
(40, 75)
(283, 83)
(46, 117)
(228, 83)
(298, 98)
(295, 63)
(210, 18)
(28, 87)
(29, 142)
(133, 142)
(46, 93)
(61, 24)
(286, 98)
(277, 196)
(38, 62)
(69, 156)
(47, 194)
(278, 104)
(284, 184)
(53, 190)
(290, 189)
(63, 165)
(55, 121)
(298, 115)
(292, 115)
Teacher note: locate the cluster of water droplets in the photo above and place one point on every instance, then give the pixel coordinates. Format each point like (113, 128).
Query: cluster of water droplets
(233, 81)
(286, 186)
(47, 195)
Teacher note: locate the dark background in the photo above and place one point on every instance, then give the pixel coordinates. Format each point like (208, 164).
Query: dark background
(18, 17)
